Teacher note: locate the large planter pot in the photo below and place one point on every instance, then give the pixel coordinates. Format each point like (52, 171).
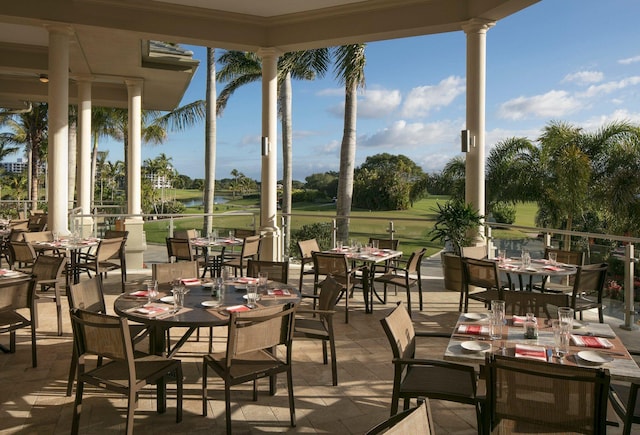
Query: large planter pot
(451, 271)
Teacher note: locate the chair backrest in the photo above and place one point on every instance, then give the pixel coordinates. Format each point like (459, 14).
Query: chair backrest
(17, 294)
(22, 252)
(102, 335)
(542, 305)
(417, 421)
(276, 270)
(330, 289)
(243, 233)
(48, 267)
(251, 246)
(184, 234)
(17, 234)
(413, 263)
(386, 243)
(330, 263)
(113, 234)
(480, 273)
(179, 248)
(260, 329)
(555, 397)
(87, 295)
(109, 248)
(589, 281)
(38, 236)
(37, 222)
(169, 272)
(567, 257)
(307, 248)
(400, 333)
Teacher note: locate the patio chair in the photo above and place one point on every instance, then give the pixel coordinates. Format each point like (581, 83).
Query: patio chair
(575, 258)
(48, 271)
(337, 266)
(306, 248)
(37, 222)
(535, 396)
(277, 270)
(125, 372)
(16, 297)
(542, 305)
(406, 277)
(38, 236)
(416, 378)
(168, 272)
(121, 255)
(318, 323)
(588, 287)
(250, 250)
(251, 354)
(379, 269)
(624, 401)
(102, 261)
(88, 295)
(22, 256)
(483, 274)
(417, 421)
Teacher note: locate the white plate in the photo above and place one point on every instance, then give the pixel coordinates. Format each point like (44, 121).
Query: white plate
(476, 316)
(594, 357)
(577, 325)
(207, 284)
(245, 297)
(475, 346)
(211, 303)
(240, 286)
(167, 299)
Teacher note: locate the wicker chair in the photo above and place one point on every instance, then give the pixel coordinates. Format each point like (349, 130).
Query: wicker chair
(416, 421)
(48, 271)
(276, 270)
(125, 372)
(306, 248)
(416, 378)
(541, 397)
(17, 296)
(250, 354)
(318, 323)
(406, 277)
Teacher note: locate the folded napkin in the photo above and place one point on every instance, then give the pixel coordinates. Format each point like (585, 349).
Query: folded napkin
(553, 268)
(380, 254)
(509, 266)
(191, 281)
(531, 352)
(586, 341)
(140, 293)
(473, 329)
(518, 320)
(152, 310)
(237, 308)
(278, 292)
(8, 272)
(596, 330)
(247, 280)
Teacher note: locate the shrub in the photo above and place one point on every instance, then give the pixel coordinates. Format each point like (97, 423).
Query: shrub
(504, 213)
(319, 231)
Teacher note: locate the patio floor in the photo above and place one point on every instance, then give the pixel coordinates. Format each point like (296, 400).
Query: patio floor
(33, 401)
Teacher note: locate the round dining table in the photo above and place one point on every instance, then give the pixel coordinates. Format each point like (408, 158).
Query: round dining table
(538, 267)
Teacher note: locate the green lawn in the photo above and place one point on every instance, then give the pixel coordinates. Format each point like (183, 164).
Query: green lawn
(364, 224)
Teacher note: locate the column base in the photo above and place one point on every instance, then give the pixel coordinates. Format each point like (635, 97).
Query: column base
(270, 247)
(136, 243)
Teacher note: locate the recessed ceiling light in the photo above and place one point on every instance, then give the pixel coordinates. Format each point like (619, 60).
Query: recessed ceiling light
(44, 78)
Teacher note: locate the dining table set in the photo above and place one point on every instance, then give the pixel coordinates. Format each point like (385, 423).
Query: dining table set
(73, 246)
(525, 268)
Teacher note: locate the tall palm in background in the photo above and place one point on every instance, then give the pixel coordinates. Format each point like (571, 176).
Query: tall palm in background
(210, 147)
(349, 70)
(240, 68)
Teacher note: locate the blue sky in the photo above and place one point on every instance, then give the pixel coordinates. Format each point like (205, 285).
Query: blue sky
(572, 60)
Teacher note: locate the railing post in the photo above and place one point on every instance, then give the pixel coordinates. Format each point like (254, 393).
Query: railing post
(334, 232)
(547, 239)
(391, 230)
(629, 323)
(490, 248)
(171, 226)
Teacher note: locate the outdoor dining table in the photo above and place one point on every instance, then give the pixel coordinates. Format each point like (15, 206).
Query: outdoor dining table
(368, 258)
(472, 345)
(73, 248)
(200, 309)
(214, 262)
(538, 267)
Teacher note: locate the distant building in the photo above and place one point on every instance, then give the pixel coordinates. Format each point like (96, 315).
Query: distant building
(20, 166)
(159, 181)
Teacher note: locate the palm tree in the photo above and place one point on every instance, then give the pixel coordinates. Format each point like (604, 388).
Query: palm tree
(28, 129)
(453, 177)
(513, 171)
(210, 142)
(349, 70)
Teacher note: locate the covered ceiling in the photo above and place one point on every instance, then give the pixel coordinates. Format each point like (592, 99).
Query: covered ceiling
(110, 38)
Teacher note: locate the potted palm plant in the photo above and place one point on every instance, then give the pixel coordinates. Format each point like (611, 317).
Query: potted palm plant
(456, 226)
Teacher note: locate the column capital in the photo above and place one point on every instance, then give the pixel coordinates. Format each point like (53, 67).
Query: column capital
(83, 78)
(59, 29)
(477, 25)
(269, 52)
(133, 82)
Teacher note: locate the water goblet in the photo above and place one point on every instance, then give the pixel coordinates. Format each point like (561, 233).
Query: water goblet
(252, 295)
(152, 290)
(263, 277)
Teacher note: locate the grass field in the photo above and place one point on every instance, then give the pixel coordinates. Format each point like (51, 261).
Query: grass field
(411, 226)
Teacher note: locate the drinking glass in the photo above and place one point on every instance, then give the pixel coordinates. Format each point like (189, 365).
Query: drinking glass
(526, 259)
(560, 338)
(501, 255)
(565, 315)
(252, 295)
(152, 290)
(375, 244)
(262, 280)
(553, 258)
(178, 297)
(497, 319)
(338, 244)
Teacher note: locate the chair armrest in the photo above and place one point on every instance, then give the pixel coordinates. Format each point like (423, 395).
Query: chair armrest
(305, 311)
(433, 334)
(307, 295)
(435, 362)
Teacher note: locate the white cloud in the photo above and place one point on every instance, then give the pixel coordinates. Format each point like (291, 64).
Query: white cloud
(584, 77)
(423, 99)
(378, 103)
(553, 104)
(403, 135)
(330, 147)
(629, 60)
(607, 88)
(597, 122)
(330, 92)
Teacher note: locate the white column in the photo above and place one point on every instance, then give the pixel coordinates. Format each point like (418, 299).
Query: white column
(83, 180)
(476, 31)
(58, 146)
(136, 242)
(134, 152)
(270, 248)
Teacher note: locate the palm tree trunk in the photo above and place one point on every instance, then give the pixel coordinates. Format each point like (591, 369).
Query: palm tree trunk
(287, 153)
(210, 142)
(94, 165)
(35, 172)
(71, 186)
(347, 161)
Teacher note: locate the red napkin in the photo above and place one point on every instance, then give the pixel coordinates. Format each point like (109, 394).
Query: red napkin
(278, 292)
(4, 271)
(237, 308)
(247, 280)
(553, 268)
(586, 341)
(531, 352)
(518, 320)
(191, 281)
(508, 266)
(473, 329)
(140, 293)
(152, 310)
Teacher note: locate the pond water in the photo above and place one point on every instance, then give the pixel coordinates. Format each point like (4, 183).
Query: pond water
(198, 202)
